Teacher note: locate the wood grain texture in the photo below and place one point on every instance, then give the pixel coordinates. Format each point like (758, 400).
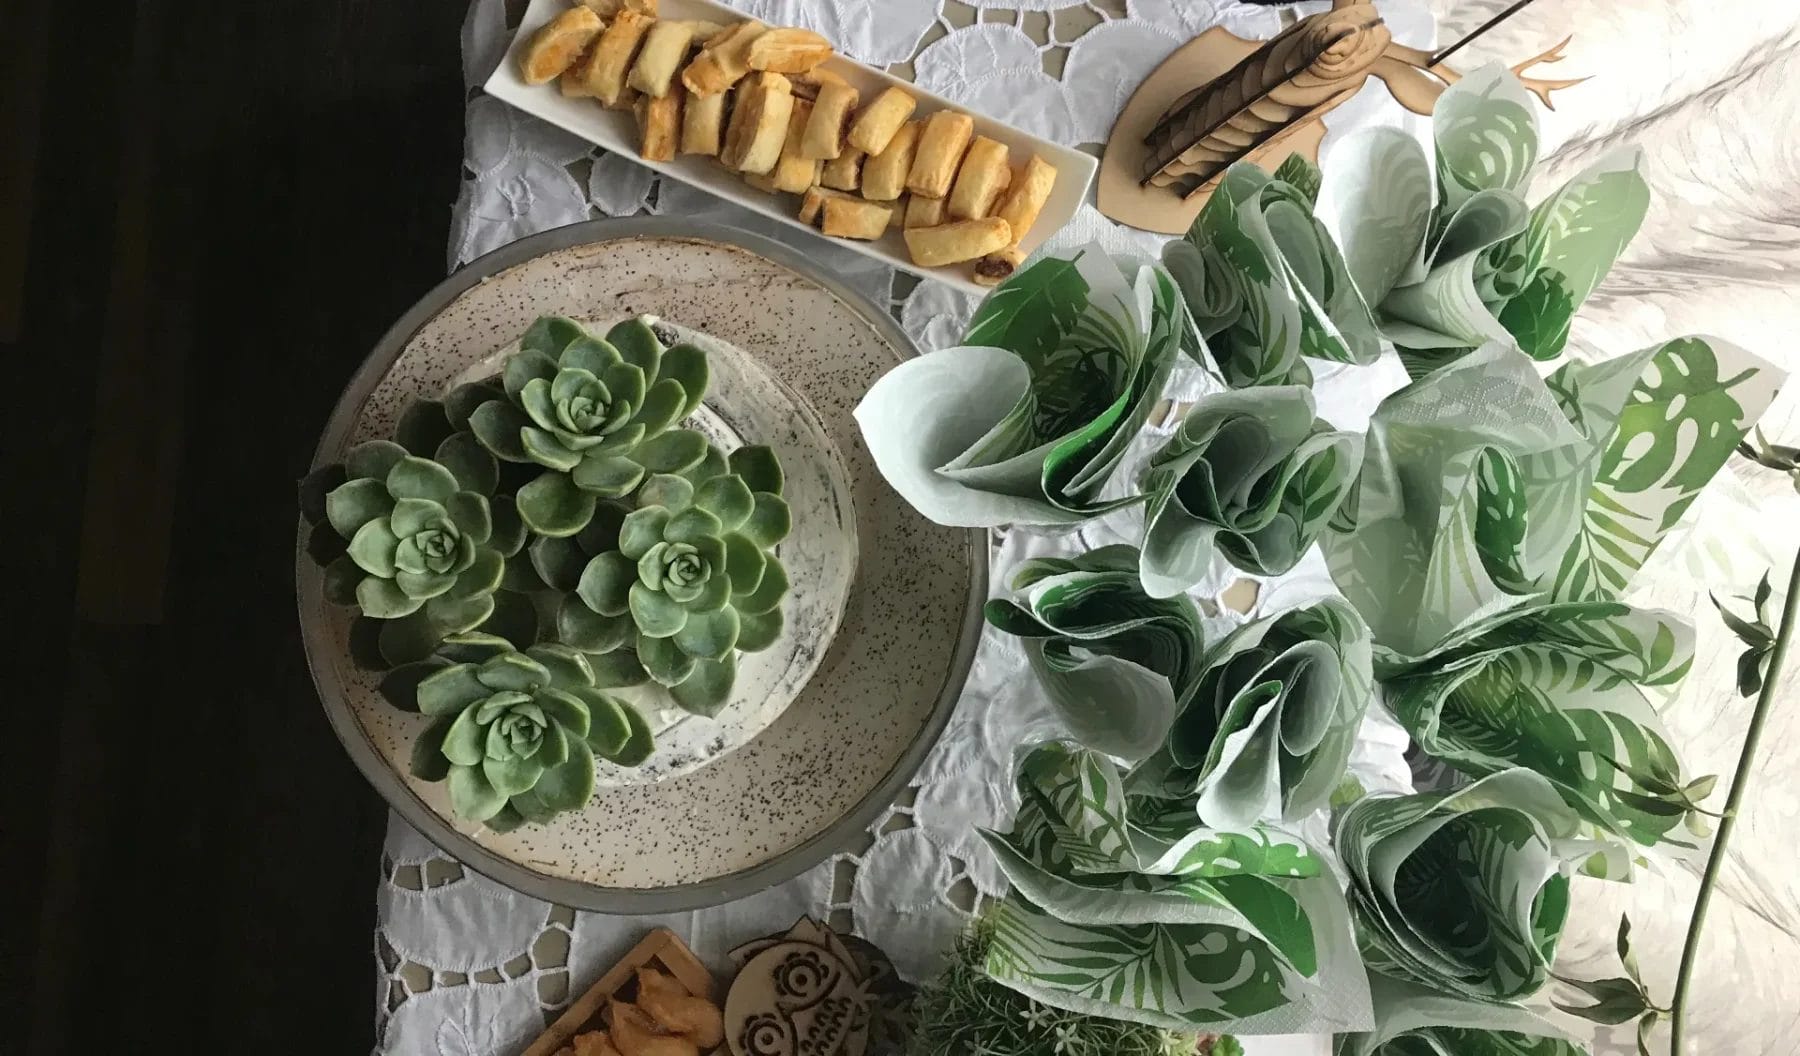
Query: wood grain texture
(661, 949)
(205, 254)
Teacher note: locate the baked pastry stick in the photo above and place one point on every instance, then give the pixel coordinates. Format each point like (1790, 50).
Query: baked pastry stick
(849, 217)
(924, 212)
(665, 48)
(844, 172)
(759, 124)
(941, 146)
(603, 75)
(724, 61)
(795, 172)
(881, 121)
(984, 174)
(953, 243)
(998, 266)
(1022, 202)
(659, 120)
(814, 203)
(884, 174)
(830, 119)
(557, 46)
(788, 50)
(703, 122)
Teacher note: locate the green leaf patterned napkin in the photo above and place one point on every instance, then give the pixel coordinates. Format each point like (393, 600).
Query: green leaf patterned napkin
(1456, 260)
(1111, 660)
(1411, 1020)
(1265, 282)
(1462, 892)
(1124, 906)
(1027, 420)
(1251, 474)
(1268, 728)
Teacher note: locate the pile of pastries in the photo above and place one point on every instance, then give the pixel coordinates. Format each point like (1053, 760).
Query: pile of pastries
(759, 101)
(663, 1020)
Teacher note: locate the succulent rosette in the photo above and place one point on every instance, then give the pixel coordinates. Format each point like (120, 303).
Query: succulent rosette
(411, 535)
(595, 413)
(1465, 892)
(1113, 660)
(692, 582)
(1250, 474)
(1266, 284)
(1449, 254)
(1027, 421)
(515, 734)
(1124, 906)
(1267, 727)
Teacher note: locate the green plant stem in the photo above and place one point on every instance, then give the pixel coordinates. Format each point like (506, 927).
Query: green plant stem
(1740, 780)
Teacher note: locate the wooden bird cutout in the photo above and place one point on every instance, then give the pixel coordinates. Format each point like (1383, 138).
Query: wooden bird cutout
(1173, 141)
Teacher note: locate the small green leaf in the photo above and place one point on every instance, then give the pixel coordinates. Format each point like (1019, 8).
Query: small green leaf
(546, 450)
(422, 427)
(712, 465)
(315, 486)
(641, 743)
(383, 599)
(608, 476)
(608, 728)
(400, 687)
(341, 578)
(473, 647)
(570, 785)
(471, 794)
(656, 615)
(548, 335)
(759, 467)
(419, 478)
(641, 530)
(568, 667)
(663, 660)
(666, 489)
(451, 615)
(672, 452)
(558, 561)
(497, 425)
(553, 505)
(470, 513)
(580, 627)
(428, 762)
(728, 498)
(618, 668)
(508, 535)
(535, 400)
(605, 584)
(471, 464)
(590, 354)
(768, 593)
(424, 585)
(1615, 1000)
(744, 562)
(464, 743)
(637, 345)
(709, 635)
(372, 459)
(708, 689)
(524, 366)
(686, 365)
(758, 631)
(409, 639)
(663, 405)
(460, 405)
(513, 671)
(690, 526)
(355, 503)
(770, 522)
(449, 690)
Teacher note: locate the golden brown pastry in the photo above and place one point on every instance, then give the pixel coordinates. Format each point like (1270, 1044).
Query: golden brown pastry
(940, 151)
(603, 74)
(844, 172)
(795, 172)
(762, 181)
(924, 212)
(634, 1033)
(556, 47)
(884, 174)
(953, 243)
(665, 48)
(830, 120)
(759, 123)
(788, 50)
(983, 176)
(677, 1011)
(592, 1043)
(881, 121)
(1021, 203)
(724, 61)
(570, 83)
(996, 268)
(659, 121)
(703, 122)
(609, 8)
(814, 203)
(705, 30)
(848, 217)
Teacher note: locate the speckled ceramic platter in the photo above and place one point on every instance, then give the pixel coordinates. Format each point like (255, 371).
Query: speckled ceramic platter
(836, 731)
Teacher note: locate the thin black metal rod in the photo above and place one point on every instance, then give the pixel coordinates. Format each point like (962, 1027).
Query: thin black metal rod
(1483, 28)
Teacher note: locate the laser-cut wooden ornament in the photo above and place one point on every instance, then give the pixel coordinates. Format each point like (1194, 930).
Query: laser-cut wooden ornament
(1261, 101)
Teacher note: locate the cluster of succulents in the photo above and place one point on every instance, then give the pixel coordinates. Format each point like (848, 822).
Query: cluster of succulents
(543, 536)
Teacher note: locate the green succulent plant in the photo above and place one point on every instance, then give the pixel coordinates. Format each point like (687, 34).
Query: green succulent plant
(692, 582)
(516, 733)
(595, 413)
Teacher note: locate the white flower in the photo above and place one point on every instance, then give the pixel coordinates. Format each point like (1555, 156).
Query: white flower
(1068, 1043)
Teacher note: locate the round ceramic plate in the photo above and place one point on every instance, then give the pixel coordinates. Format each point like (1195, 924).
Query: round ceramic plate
(724, 823)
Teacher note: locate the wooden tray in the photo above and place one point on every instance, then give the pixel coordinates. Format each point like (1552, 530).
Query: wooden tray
(661, 949)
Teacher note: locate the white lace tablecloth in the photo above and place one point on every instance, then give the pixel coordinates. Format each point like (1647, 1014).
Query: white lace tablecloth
(466, 966)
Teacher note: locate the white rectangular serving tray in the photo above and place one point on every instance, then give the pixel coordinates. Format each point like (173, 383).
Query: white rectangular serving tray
(616, 130)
